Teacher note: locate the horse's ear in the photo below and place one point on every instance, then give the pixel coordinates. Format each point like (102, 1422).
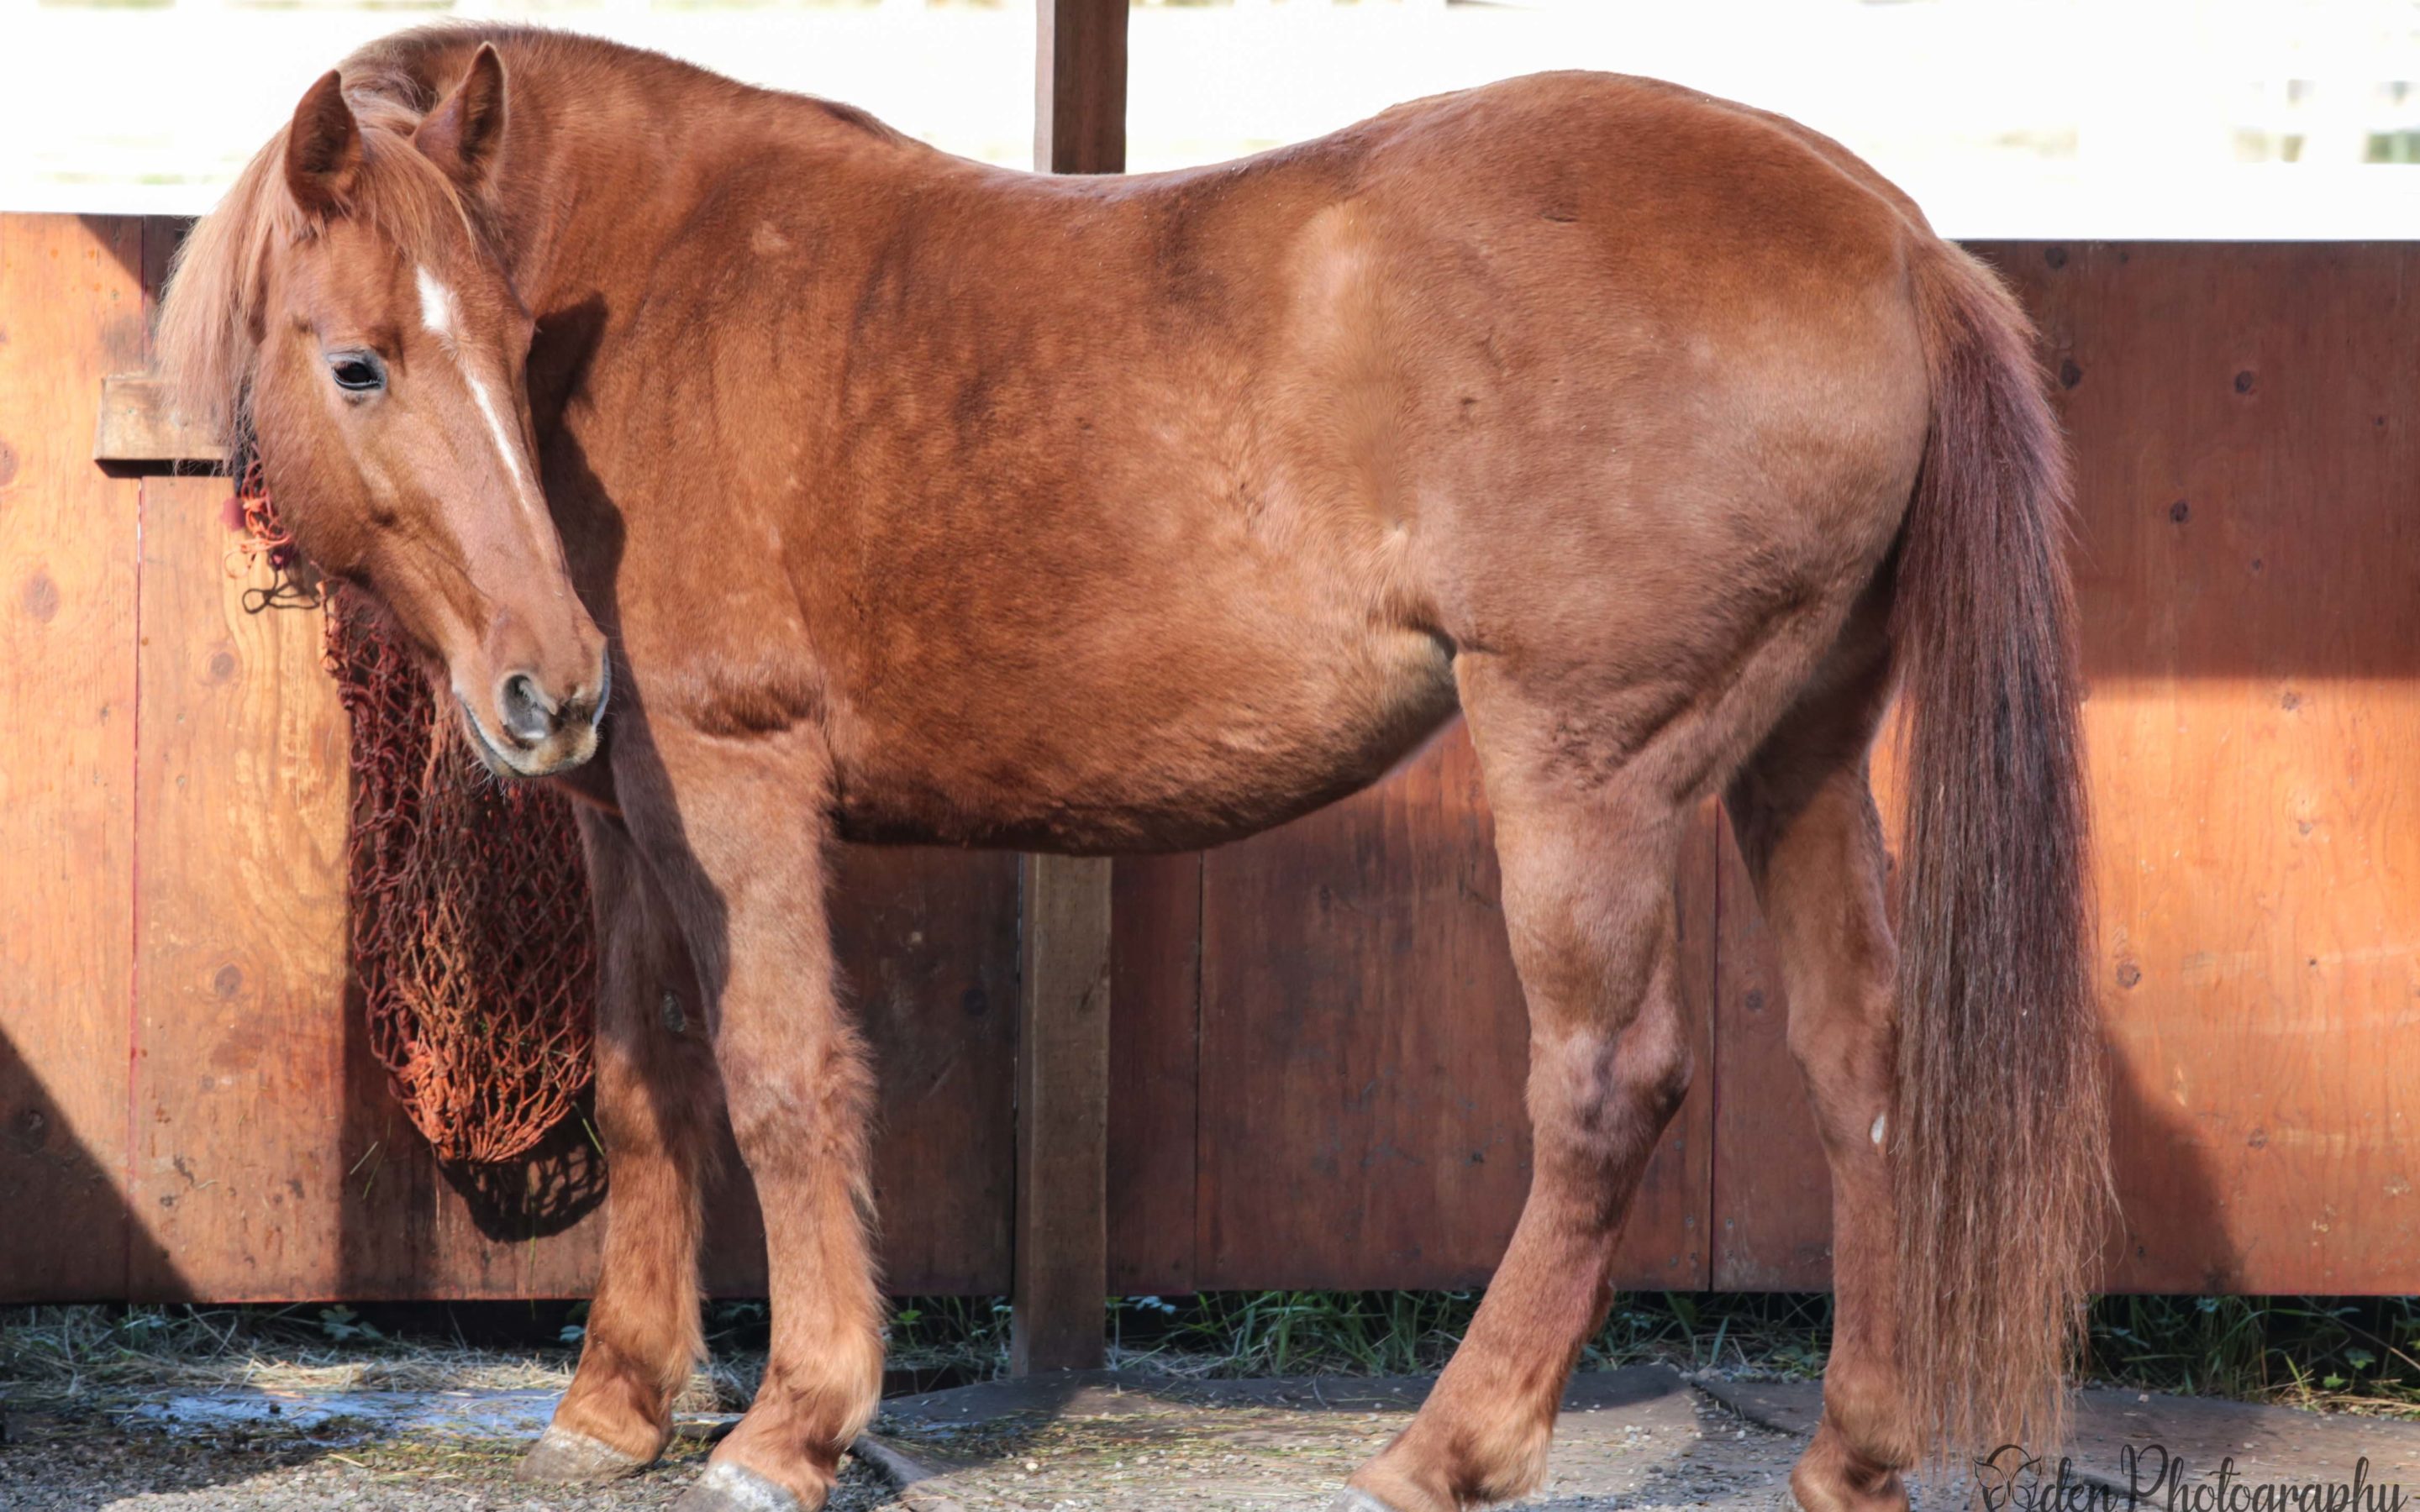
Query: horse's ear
(323, 149)
(461, 134)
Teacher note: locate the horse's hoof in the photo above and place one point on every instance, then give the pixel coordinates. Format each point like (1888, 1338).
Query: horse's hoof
(1354, 1499)
(563, 1457)
(729, 1489)
(1829, 1477)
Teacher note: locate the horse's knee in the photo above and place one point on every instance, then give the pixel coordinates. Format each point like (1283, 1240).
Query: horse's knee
(792, 1101)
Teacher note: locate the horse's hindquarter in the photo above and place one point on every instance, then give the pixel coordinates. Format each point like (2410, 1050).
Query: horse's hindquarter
(1150, 513)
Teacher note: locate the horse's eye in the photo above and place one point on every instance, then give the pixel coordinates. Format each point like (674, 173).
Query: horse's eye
(357, 372)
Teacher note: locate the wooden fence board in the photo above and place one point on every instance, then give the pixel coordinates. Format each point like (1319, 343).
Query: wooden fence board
(2247, 555)
(2244, 421)
(70, 310)
(1154, 1071)
(928, 942)
(1063, 1116)
(245, 1125)
(1079, 85)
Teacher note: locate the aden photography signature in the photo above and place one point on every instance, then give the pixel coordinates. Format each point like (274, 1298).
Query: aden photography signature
(2013, 1479)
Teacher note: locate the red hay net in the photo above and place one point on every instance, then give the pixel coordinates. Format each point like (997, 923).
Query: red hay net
(472, 937)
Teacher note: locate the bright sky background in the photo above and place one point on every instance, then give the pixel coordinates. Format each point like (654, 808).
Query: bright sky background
(2208, 119)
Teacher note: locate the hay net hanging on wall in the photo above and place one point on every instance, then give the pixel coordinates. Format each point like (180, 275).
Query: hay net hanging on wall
(471, 936)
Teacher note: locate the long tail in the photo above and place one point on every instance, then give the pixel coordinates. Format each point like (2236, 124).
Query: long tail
(2000, 1132)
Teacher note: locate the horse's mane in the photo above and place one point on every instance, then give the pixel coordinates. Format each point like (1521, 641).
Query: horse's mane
(212, 319)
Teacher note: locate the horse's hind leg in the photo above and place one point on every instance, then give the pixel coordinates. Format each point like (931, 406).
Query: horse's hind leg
(658, 1103)
(1806, 826)
(1588, 853)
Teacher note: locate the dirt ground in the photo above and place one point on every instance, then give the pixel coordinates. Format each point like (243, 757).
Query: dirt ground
(1635, 1440)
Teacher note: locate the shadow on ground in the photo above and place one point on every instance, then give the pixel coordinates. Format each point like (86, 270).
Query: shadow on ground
(1637, 1439)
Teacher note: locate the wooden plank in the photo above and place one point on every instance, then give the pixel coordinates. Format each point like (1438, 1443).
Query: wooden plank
(928, 942)
(138, 423)
(1772, 1224)
(1080, 108)
(2242, 422)
(1665, 1244)
(1365, 1046)
(1063, 1099)
(1154, 1071)
(255, 1146)
(70, 310)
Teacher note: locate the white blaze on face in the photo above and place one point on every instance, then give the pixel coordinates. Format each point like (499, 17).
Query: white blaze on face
(443, 314)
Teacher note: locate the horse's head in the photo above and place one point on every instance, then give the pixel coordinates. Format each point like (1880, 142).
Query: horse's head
(347, 311)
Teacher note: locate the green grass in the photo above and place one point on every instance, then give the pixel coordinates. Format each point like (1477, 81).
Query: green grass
(2347, 1354)
(2343, 1355)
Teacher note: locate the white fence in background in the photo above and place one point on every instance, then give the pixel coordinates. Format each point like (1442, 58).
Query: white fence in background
(2204, 118)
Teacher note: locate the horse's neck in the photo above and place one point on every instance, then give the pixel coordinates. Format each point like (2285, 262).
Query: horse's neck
(588, 194)
(616, 162)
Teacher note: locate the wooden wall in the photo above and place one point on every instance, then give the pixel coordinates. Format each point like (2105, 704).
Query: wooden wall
(1317, 1039)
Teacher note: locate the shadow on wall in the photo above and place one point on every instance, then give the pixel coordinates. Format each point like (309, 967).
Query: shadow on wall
(71, 1236)
(399, 1201)
(541, 1193)
(2172, 1234)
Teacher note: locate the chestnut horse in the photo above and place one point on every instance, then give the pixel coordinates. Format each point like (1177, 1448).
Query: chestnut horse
(901, 499)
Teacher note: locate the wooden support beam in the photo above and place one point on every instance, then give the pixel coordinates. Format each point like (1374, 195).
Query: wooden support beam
(1080, 79)
(1062, 1073)
(1062, 1117)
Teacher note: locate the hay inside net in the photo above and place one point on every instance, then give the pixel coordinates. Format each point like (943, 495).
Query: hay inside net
(471, 936)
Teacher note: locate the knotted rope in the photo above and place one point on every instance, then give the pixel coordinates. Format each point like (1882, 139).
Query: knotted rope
(472, 937)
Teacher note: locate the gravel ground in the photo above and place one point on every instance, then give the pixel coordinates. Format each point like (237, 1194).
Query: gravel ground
(1635, 1441)
(266, 1438)
(86, 1461)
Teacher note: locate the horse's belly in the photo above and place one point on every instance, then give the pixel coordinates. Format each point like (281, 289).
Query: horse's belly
(1187, 752)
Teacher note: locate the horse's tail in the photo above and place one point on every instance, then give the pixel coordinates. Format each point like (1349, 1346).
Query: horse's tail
(1999, 1130)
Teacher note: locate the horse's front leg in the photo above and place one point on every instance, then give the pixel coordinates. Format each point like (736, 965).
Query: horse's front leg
(742, 861)
(658, 1101)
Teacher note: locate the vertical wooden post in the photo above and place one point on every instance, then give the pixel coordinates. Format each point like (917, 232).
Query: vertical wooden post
(1062, 1117)
(1062, 1071)
(1079, 80)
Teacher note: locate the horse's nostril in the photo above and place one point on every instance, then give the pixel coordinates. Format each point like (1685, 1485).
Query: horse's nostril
(528, 715)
